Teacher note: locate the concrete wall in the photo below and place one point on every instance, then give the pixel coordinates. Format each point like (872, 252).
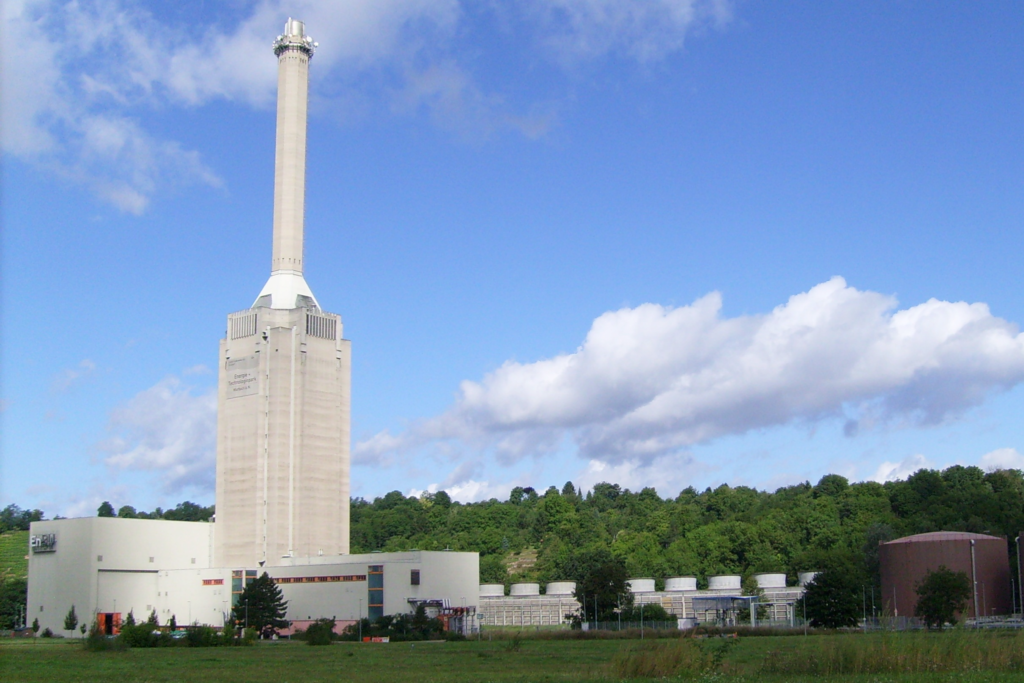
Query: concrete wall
(97, 561)
(111, 565)
(283, 446)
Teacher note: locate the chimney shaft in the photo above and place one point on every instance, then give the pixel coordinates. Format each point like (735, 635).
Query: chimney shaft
(294, 50)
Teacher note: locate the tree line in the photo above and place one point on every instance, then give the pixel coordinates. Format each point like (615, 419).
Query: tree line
(558, 533)
(568, 534)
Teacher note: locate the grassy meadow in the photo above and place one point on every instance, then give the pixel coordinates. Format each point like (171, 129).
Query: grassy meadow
(961, 657)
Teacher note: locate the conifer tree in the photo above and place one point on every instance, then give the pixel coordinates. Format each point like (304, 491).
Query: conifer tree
(261, 606)
(71, 620)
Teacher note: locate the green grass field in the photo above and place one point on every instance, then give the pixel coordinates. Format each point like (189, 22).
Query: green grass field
(13, 553)
(536, 660)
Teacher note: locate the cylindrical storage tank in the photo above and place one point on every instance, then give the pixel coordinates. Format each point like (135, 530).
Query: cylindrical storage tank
(640, 585)
(725, 582)
(681, 583)
(560, 588)
(522, 590)
(983, 559)
(806, 577)
(492, 590)
(767, 580)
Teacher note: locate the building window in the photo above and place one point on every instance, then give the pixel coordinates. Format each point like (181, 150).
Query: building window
(239, 580)
(414, 577)
(151, 560)
(99, 558)
(375, 591)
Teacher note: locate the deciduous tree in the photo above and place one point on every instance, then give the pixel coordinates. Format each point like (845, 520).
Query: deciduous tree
(832, 600)
(941, 595)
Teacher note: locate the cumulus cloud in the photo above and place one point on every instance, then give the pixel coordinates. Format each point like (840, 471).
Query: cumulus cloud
(78, 71)
(169, 430)
(652, 380)
(668, 474)
(87, 72)
(893, 471)
(1002, 459)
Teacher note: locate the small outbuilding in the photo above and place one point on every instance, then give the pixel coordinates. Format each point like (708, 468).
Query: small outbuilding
(906, 561)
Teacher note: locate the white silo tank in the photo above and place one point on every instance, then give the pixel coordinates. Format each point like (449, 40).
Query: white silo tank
(725, 582)
(770, 580)
(681, 583)
(806, 577)
(640, 585)
(560, 588)
(492, 590)
(522, 590)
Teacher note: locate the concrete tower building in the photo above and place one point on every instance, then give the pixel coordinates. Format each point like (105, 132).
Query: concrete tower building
(282, 468)
(284, 385)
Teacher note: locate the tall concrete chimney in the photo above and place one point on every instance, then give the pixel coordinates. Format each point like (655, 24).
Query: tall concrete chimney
(284, 385)
(287, 287)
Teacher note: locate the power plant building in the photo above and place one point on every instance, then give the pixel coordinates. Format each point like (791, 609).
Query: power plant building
(282, 488)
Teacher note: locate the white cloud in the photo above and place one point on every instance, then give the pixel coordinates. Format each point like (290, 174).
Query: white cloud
(462, 484)
(77, 76)
(652, 380)
(668, 475)
(169, 430)
(86, 72)
(892, 471)
(1002, 459)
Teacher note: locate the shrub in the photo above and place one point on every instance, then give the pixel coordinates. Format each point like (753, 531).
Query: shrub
(320, 632)
(139, 635)
(47, 633)
(201, 636)
(97, 641)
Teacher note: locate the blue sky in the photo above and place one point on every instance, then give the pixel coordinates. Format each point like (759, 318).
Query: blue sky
(663, 244)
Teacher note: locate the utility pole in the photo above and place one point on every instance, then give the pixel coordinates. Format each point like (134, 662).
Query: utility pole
(974, 581)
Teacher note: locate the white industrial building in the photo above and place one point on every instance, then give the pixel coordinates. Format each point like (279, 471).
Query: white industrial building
(282, 490)
(526, 606)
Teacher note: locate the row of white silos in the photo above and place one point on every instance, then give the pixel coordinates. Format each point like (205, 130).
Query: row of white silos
(526, 590)
(721, 582)
(675, 584)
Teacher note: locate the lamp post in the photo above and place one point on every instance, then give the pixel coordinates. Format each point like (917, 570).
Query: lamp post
(974, 582)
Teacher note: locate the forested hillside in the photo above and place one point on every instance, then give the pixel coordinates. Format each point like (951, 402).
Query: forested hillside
(725, 530)
(552, 535)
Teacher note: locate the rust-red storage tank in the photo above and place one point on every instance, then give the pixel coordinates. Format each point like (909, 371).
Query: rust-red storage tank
(905, 562)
